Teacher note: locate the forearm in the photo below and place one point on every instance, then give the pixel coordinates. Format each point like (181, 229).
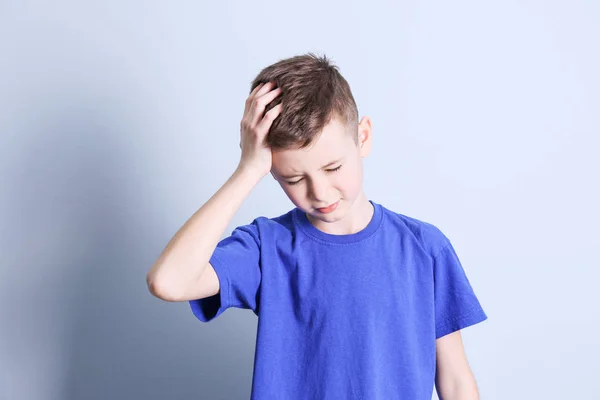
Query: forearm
(186, 255)
(459, 389)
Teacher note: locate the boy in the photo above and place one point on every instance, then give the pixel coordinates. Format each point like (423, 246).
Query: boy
(354, 301)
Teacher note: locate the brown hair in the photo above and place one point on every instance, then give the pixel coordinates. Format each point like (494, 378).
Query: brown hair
(313, 92)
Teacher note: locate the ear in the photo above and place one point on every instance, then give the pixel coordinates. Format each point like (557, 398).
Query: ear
(365, 136)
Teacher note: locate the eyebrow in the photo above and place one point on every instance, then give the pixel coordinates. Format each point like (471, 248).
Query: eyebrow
(324, 166)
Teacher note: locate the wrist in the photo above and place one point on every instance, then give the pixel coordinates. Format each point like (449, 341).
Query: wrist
(250, 172)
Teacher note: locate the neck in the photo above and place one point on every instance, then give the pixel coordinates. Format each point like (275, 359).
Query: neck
(356, 219)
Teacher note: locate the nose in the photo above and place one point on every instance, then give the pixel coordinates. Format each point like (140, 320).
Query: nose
(318, 189)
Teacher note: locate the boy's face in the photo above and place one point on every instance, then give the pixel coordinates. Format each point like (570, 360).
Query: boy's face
(327, 173)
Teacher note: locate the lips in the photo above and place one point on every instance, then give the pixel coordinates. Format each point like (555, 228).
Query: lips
(328, 209)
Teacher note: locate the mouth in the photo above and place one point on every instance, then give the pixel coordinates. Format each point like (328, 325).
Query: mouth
(328, 209)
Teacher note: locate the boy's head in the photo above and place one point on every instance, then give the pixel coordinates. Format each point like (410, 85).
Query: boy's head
(318, 125)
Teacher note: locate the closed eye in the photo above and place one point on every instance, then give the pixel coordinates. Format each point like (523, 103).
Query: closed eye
(328, 170)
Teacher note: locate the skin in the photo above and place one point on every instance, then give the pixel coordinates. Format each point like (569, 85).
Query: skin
(454, 379)
(183, 272)
(331, 169)
(328, 171)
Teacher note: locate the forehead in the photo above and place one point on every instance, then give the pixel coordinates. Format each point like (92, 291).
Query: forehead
(333, 143)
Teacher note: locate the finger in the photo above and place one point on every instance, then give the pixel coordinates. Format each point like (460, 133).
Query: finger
(260, 104)
(265, 88)
(270, 96)
(250, 97)
(269, 117)
(256, 89)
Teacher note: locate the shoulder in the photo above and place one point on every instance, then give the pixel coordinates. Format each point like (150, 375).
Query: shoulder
(427, 234)
(265, 228)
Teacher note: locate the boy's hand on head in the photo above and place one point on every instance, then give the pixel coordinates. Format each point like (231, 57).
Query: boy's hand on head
(255, 124)
(183, 270)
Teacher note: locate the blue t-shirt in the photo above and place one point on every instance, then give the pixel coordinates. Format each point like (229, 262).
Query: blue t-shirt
(343, 316)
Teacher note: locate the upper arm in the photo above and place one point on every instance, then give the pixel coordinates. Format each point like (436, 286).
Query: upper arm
(453, 373)
(233, 278)
(450, 355)
(207, 285)
(456, 305)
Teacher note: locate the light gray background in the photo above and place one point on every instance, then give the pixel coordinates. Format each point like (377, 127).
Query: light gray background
(119, 119)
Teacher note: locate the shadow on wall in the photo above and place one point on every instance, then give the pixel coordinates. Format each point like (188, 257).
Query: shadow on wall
(85, 228)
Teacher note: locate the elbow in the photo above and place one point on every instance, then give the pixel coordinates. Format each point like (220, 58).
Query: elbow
(160, 289)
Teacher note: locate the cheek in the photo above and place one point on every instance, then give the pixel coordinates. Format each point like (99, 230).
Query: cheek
(294, 193)
(350, 182)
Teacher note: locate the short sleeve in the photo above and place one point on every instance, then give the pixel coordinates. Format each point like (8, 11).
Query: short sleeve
(456, 305)
(236, 261)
